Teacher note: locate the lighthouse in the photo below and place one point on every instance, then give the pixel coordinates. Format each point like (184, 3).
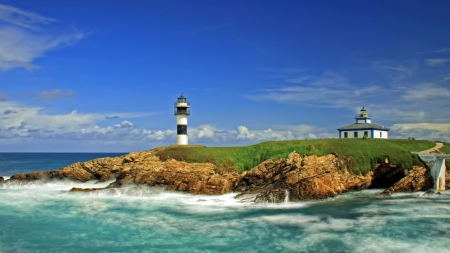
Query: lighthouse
(363, 128)
(182, 111)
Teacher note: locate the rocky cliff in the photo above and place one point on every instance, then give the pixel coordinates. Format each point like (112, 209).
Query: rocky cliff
(294, 178)
(145, 168)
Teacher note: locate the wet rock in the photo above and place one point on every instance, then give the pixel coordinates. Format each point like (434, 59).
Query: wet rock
(272, 196)
(447, 180)
(194, 178)
(297, 178)
(144, 168)
(417, 179)
(75, 189)
(430, 192)
(294, 178)
(2, 180)
(30, 176)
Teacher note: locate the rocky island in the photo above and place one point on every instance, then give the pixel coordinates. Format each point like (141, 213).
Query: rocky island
(295, 177)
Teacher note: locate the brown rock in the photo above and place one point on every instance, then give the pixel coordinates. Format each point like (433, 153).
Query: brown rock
(30, 176)
(75, 189)
(298, 178)
(146, 169)
(295, 178)
(194, 178)
(447, 180)
(417, 179)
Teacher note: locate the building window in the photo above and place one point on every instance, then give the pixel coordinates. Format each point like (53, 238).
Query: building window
(355, 134)
(381, 135)
(345, 135)
(366, 134)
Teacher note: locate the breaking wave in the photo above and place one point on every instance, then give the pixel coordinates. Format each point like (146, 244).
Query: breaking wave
(45, 217)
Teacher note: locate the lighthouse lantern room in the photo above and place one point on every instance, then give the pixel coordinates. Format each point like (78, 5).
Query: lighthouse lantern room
(182, 111)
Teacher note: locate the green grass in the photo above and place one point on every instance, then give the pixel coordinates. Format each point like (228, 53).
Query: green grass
(366, 153)
(446, 149)
(413, 145)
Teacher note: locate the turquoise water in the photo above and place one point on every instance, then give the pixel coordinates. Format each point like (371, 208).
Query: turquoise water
(13, 163)
(38, 217)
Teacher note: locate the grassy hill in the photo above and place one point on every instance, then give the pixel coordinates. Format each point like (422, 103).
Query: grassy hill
(365, 152)
(446, 150)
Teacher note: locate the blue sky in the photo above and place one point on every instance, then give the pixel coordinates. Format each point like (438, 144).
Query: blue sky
(103, 75)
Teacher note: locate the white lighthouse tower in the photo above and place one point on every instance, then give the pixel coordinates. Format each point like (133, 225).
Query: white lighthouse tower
(182, 111)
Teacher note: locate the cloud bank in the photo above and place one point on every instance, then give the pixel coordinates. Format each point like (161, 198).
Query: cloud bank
(426, 131)
(35, 126)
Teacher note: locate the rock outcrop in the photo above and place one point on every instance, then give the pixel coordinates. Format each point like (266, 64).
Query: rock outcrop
(417, 179)
(194, 178)
(447, 180)
(297, 178)
(147, 169)
(294, 178)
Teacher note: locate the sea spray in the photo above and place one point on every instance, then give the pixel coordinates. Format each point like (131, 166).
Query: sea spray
(46, 217)
(139, 218)
(286, 197)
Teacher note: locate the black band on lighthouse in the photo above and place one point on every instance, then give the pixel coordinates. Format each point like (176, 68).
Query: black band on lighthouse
(182, 129)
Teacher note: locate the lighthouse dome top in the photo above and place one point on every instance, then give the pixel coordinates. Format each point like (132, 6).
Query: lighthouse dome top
(182, 102)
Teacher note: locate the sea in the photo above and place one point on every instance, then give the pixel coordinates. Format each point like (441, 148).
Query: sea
(44, 217)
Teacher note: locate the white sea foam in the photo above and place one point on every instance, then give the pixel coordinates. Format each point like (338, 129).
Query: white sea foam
(297, 220)
(164, 221)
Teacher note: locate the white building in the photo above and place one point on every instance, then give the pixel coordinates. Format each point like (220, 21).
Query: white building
(363, 127)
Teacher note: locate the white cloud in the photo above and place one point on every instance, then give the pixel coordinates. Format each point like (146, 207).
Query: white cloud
(400, 68)
(435, 62)
(51, 95)
(329, 90)
(36, 125)
(23, 38)
(22, 18)
(298, 80)
(424, 131)
(396, 93)
(301, 129)
(20, 122)
(296, 132)
(244, 135)
(312, 136)
(3, 97)
(443, 50)
(427, 91)
(124, 132)
(204, 131)
(393, 70)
